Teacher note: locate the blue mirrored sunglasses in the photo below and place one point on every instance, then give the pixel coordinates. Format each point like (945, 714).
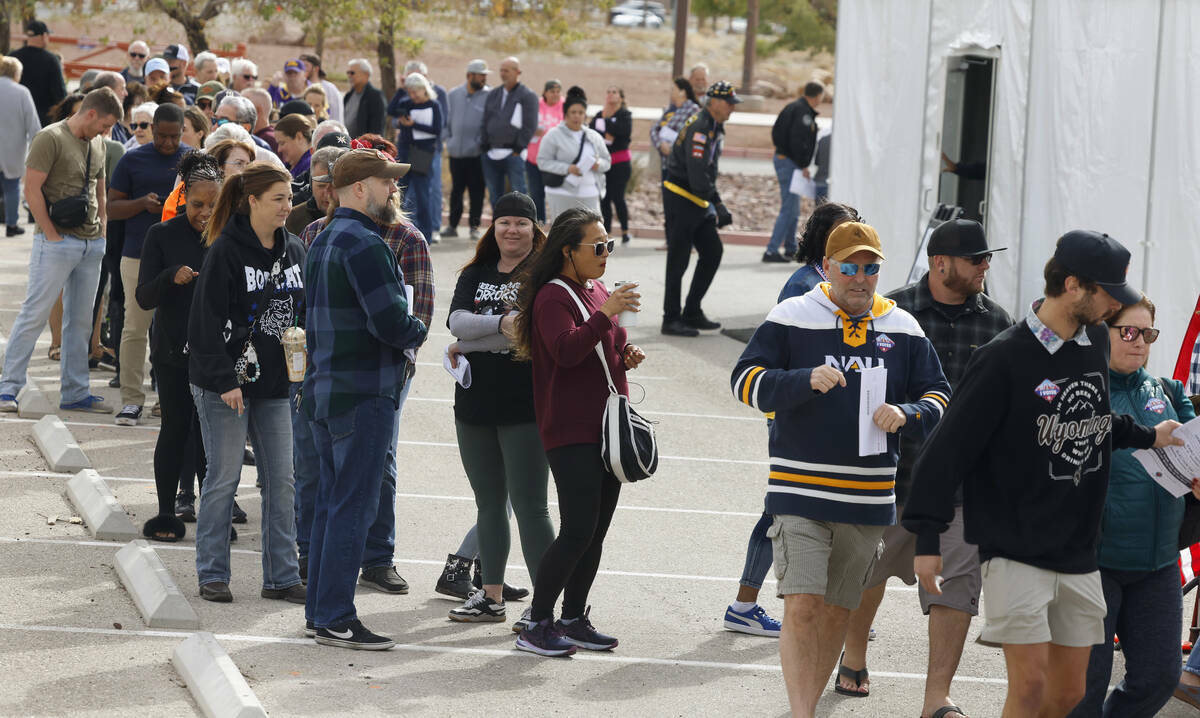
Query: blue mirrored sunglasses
(850, 269)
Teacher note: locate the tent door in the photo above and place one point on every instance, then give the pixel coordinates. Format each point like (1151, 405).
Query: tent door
(966, 135)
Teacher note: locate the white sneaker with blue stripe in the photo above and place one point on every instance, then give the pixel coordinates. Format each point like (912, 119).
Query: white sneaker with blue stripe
(755, 622)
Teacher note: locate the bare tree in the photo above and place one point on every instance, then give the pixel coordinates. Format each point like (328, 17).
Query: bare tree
(194, 16)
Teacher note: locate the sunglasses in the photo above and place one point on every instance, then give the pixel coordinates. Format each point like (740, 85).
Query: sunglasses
(140, 125)
(204, 103)
(979, 259)
(1129, 333)
(222, 121)
(850, 269)
(138, 55)
(249, 77)
(602, 247)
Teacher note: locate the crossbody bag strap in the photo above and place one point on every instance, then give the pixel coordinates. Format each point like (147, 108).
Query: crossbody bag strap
(87, 168)
(612, 387)
(579, 154)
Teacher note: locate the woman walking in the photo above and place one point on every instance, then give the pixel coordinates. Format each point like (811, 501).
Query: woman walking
(573, 159)
(171, 257)
(249, 291)
(570, 390)
(494, 419)
(615, 123)
(420, 120)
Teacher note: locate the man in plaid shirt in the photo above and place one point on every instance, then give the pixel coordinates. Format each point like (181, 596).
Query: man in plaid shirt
(1193, 380)
(359, 332)
(957, 318)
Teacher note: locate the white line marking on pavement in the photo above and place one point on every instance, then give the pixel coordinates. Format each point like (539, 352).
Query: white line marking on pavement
(494, 652)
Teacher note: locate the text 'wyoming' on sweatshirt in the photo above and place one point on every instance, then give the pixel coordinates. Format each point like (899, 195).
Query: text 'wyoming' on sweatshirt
(816, 471)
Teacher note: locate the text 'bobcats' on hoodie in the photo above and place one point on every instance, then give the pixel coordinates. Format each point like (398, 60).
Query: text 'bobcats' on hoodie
(240, 280)
(816, 471)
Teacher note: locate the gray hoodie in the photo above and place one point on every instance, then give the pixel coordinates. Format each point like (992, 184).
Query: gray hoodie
(465, 122)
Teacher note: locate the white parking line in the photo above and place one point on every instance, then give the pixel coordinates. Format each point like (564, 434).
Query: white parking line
(491, 652)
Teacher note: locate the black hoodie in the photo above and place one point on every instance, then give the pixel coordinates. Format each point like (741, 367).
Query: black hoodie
(169, 246)
(238, 282)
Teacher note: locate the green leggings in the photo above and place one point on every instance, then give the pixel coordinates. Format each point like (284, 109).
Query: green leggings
(507, 463)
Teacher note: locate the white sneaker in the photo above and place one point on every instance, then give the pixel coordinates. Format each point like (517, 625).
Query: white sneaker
(8, 404)
(525, 621)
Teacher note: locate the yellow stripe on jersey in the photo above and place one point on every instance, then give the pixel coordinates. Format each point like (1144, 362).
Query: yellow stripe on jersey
(747, 382)
(834, 483)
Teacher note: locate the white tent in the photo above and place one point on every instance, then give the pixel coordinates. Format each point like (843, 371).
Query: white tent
(1094, 124)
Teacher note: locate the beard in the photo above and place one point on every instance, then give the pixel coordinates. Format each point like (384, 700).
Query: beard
(475, 86)
(385, 213)
(961, 283)
(1089, 310)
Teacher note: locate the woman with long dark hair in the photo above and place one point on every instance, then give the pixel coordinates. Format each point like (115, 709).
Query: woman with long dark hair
(498, 438)
(171, 257)
(615, 122)
(570, 390)
(250, 289)
(820, 223)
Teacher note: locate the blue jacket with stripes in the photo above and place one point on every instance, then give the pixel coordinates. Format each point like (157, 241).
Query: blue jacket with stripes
(816, 470)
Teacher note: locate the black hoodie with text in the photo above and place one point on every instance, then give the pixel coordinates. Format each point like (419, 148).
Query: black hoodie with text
(243, 285)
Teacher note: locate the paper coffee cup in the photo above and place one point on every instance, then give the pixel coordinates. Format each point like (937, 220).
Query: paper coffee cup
(626, 318)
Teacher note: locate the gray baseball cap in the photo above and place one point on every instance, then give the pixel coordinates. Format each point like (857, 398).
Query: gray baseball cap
(478, 67)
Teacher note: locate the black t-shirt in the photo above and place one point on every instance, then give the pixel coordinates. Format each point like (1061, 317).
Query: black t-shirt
(501, 387)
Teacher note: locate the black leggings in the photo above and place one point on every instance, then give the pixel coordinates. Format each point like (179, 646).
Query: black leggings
(179, 432)
(615, 181)
(587, 498)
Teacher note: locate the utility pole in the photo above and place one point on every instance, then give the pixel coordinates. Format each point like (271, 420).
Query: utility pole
(681, 23)
(751, 45)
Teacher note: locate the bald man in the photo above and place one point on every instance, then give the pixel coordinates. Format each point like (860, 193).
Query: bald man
(263, 129)
(510, 117)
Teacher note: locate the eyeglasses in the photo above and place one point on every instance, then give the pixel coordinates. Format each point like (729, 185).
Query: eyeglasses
(604, 247)
(204, 103)
(850, 269)
(222, 121)
(249, 77)
(1128, 333)
(239, 164)
(979, 259)
(138, 55)
(140, 125)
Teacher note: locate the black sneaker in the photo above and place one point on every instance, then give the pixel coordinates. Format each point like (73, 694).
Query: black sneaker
(304, 570)
(450, 232)
(479, 609)
(353, 634)
(676, 328)
(14, 230)
(217, 592)
(582, 633)
(239, 516)
(248, 457)
(310, 629)
(625, 238)
(383, 578)
(232, 535)
(544, 638)
(185, 507)
(775, 258)
(129, 415)
(456, 577)
(699, 321)
(115, 382)
(511, 593)
(291, 594)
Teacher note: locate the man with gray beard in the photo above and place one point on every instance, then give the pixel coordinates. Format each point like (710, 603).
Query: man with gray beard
(1029, 436)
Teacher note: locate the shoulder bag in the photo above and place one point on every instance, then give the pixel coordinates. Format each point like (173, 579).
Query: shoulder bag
(553, 179)
(72, 212)
(628, 448)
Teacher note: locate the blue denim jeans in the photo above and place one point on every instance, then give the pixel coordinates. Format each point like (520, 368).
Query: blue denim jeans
(537, 189)
(784, 232)
(266, 423)
(1145, 608)
(758, 554)
(70, 266)
(435, 186)
(306, 465)
(12, 199)
(494, 172)
(353, 447)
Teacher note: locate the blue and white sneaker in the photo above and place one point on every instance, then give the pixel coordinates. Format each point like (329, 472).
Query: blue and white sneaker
(94, 404)
(582, 633)
(8, 403)
(755, 622)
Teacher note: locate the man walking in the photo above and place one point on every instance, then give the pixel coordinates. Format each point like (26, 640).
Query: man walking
(42, 73)
(795, 138)
(1029, 437)
(358, 330)
(364, 103)
(958, 318)
(830, 491)
(464, 127)
(510, 118)
(144, 177)
(64, 186)
(694, 211)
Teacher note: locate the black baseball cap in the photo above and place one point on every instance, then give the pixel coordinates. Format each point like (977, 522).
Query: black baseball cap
(36, 27)
(295, 107)
(515, 204)
(959, 238)
(335, 139)
(1099, 258)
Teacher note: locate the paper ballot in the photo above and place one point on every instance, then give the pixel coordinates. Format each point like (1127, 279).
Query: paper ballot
(1174, 467)
(802, 186)
(517, 119)
(871, 439)
(408, 297)
(666, 134)
(422, 116)
(461, 373)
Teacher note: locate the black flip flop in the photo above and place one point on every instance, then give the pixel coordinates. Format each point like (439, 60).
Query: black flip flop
(859, 677)
(164, 524)
(941, 712)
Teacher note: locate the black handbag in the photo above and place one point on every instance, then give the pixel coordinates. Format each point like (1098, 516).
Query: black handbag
(553, 179)
(72, 212)
(420, 161)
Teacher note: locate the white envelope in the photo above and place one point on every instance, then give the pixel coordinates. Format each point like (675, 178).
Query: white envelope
(499, 153)
(666, 134)
(517, 120)
(802, 186)
(461, 373)
(872, 394)
(600, 125)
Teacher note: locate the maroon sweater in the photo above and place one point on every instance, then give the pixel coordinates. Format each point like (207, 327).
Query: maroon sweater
(569, 388)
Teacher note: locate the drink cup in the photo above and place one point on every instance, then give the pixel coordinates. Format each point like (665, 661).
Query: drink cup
(626, 318)
(295, 355)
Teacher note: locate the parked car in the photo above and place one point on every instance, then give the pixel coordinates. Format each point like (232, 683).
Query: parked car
(636, 19)
(637, 8)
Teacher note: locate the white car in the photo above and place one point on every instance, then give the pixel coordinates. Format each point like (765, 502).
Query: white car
(637, 19)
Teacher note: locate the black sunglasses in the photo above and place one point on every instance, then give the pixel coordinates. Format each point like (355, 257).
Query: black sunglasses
(1128, 333)
(140, 125)
(249, 77)
(602, 247)
(204, 103)
(979, 259)
(138, 55)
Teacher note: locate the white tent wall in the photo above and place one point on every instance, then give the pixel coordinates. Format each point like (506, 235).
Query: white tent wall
(1173, 254)
(881, 60)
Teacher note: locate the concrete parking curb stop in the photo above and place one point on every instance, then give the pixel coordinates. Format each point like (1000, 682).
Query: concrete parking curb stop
(154, 592)
(31, 402)
(214, 680)
(99, 509)
(58, 445)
